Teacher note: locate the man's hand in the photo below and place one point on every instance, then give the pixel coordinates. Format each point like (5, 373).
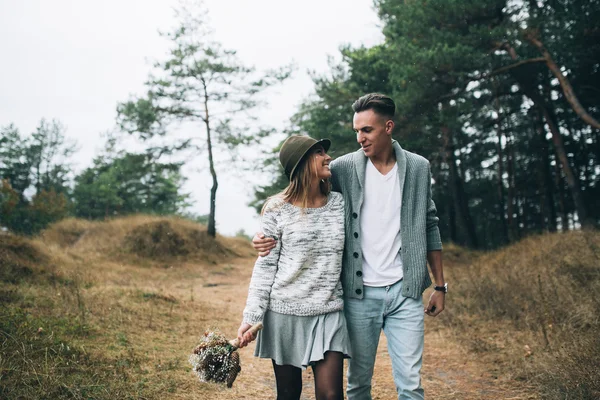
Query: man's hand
(436, 303)
(263, 244)
(244, 336)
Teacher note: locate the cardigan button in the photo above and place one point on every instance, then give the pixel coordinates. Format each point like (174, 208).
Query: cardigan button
(355, 235)
(354, 215)
(355, 255)
(359, 273)
(358, 291)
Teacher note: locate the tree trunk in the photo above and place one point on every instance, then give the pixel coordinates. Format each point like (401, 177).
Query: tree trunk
(521, 217)
(547, 190)
(572, 180)
(510, 193)
(452, 224)
(460, 203)
(38, 182)
(531, 92)
(564, 217)
(450, 217)
(212, 229)
(464, 201)
(564, 82)
(596, 144)
(500, 180)
(585, 167)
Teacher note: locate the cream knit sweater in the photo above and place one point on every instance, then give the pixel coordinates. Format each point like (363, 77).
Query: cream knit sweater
(301, 275)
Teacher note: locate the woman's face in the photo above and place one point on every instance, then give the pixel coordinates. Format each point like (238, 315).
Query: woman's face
(321, 161)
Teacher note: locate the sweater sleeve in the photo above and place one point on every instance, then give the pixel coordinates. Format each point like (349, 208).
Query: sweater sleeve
(434, 240)
(265, 268)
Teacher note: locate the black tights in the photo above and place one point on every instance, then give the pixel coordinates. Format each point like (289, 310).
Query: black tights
(328, 379)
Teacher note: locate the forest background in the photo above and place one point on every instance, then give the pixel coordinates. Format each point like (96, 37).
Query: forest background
(501, 96)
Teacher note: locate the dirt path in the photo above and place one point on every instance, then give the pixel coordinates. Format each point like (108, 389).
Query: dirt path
(449, 372)
(161, 313)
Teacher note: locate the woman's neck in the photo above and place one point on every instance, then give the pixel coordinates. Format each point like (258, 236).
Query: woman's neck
(315, 198)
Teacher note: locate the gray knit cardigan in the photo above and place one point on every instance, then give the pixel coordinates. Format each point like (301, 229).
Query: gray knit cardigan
(419, 223)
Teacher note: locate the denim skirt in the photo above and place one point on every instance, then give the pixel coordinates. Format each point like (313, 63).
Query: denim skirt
(302, 341)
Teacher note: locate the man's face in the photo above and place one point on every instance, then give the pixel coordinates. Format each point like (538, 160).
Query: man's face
(373, 132)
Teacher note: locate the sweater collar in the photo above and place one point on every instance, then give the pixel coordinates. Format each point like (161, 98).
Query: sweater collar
(360, 162)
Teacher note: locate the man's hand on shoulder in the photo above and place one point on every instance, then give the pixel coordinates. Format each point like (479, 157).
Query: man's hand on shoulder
(263, 245)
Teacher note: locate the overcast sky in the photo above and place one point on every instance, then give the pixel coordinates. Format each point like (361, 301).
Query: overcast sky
(75, 60)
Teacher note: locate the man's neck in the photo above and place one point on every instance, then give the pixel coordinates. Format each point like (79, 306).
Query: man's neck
(385, 161)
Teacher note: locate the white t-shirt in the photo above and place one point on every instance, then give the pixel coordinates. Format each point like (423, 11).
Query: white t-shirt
(380, 227)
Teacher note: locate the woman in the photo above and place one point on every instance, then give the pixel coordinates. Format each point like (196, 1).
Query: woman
(295, 290)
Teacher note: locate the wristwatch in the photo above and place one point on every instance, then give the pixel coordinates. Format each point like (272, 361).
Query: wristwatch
(442, 288)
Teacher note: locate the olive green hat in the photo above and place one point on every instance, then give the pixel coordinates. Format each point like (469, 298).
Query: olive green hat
(295, 148)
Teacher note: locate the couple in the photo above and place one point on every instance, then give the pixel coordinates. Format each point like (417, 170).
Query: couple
(372, 235)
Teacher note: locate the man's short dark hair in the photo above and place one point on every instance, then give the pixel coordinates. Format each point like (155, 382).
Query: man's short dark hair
(380, 103)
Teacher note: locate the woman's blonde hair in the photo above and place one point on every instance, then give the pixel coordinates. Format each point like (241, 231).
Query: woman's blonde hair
(300, 183)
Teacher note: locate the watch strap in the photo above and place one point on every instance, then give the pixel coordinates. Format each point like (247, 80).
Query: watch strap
(442, 288)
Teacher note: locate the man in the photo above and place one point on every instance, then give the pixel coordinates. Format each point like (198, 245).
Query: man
(391, 234)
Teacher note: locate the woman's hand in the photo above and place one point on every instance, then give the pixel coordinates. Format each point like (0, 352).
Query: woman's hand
(244, 336)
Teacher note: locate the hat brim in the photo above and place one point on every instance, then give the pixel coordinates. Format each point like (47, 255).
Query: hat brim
(326, 143)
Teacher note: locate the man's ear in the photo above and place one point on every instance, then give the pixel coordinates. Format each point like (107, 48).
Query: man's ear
(389, 126)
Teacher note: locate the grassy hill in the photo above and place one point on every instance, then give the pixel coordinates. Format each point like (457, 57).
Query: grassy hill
(143, 239)
(112, 309)
(83, 305)
(530, 311)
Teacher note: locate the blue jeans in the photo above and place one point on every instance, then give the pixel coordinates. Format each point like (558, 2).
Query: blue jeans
(402, 321)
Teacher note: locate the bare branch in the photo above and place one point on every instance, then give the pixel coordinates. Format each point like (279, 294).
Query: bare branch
(515, 65)
(563, 80)
(508, 68)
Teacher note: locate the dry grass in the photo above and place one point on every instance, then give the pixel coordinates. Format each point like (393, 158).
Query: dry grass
(146, 240)
(83, 317)
(67, 232)
(22, 259)
(121, 323)
(530, 311)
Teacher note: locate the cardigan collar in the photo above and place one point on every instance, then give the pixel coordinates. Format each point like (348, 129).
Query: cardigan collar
(360, 164)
